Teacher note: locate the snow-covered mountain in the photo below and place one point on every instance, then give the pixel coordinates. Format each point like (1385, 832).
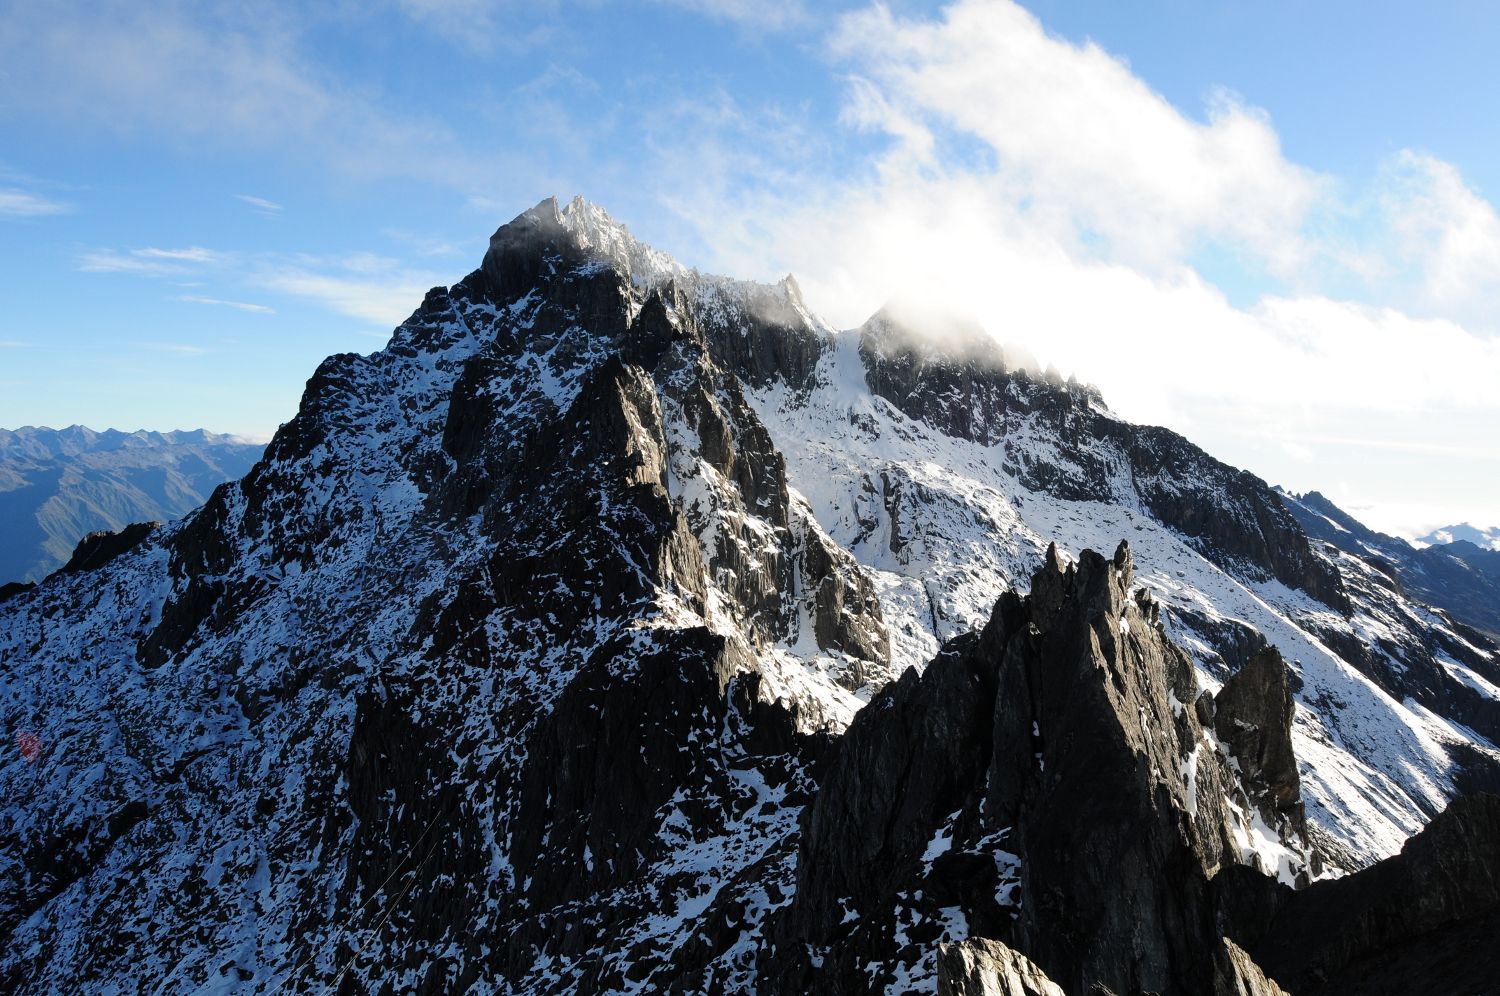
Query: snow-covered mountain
(1459, 577)
(1485, 539)
(620, 628)
(58, 485)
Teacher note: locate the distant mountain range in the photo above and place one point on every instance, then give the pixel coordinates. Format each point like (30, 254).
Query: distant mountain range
(58, 485)
(1487, 539)
(1457, 574)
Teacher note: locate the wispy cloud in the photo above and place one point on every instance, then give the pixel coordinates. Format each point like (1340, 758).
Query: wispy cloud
(384, 295)
(259, 309)
(15, 203)
(175, 348)
(760, 15)
(148, 261)
(243, 78)
(260, 204)
(13, 344)
(482, 26)
(361, 285)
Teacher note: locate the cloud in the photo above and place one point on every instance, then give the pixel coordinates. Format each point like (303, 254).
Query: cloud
(1300, 452)
(148, 261)
(175, 348)
(482, 26)
(760, 15)
(262, 205)
(1443, 234)
(386, 298)
(360, 285)
(195, 73)
(987, 168)
(259, 309)
(1071, 132)
(22, 204)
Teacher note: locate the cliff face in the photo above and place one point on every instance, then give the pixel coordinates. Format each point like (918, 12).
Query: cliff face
(620, 628)
(1046, 783)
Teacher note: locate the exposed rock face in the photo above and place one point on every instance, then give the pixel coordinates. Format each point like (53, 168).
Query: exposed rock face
(1237, 974)
(1422, 921)
(1458, 578)
(980, 967)
(1253, 720)
(97, 549)
(1035, 784)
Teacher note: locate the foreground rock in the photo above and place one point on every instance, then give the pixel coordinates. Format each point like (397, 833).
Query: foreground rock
(1046, 784)
(1422, 921)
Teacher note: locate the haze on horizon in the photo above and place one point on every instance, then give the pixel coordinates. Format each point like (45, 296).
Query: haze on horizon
(1266, 228)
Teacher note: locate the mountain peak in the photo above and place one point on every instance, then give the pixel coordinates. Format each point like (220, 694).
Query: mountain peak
(1485, 539)
(581, 232)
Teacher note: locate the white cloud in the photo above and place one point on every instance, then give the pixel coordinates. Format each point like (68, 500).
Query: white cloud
(175, 348)
(22, 204)
(385, 303)
(243, 77)
(1069, 130)
(1445, 233)
(148, 261)
(259, 309)
(1042, 188)
(360, 285)
(1300, 452)
(259, 203)
(759, 15)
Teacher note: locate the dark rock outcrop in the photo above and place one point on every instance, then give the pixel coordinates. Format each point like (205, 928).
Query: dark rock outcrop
(97, 549)
(1237, 974)
(1253, 720)
(1421, 921)
(1048, 783)
(10, 589)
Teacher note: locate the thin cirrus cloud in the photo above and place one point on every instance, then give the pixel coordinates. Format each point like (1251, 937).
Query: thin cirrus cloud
(16, 203)
(765, 15)
(192, 73)
(175, 348)
(148, 261)
(260, 204)
(258, 309)
(359, 285)
(384, 294)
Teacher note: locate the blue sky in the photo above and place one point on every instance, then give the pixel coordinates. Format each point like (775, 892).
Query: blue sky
(1267, 225)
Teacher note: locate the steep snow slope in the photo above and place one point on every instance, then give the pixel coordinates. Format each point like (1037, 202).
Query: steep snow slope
(511, 664)
(942, 521)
